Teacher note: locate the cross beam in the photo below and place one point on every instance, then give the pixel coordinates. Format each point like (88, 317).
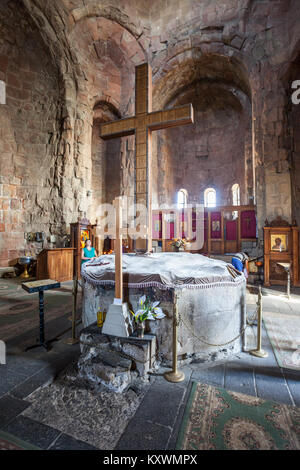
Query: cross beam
(142, 124)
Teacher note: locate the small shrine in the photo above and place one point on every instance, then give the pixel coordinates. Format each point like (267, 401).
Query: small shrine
(281, 253)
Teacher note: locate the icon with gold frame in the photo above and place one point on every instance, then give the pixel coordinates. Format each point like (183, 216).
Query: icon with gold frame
(279, 242)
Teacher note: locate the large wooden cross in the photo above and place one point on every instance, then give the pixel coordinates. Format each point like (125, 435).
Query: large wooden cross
(142, 124)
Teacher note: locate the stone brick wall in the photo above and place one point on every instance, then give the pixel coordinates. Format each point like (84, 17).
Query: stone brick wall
(29, 198)
(295, 129)
(61, 59)
(210, 153)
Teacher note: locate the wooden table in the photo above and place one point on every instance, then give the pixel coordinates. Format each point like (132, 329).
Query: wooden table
(40, 287)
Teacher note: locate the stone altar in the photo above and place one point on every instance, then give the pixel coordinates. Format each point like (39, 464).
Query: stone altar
(211, 300)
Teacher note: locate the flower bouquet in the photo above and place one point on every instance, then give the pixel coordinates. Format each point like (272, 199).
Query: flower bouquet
(178, 243)
(147, 311)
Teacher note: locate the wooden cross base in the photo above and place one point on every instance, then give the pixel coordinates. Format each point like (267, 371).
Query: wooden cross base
(117, 320)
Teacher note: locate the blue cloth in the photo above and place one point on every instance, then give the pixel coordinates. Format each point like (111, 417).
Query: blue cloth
(237, 264)
(88, 254)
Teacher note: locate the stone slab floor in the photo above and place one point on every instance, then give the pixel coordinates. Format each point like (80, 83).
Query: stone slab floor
(156, 422)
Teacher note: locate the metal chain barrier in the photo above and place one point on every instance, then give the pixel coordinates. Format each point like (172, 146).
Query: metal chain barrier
(177, 376)
(249, 321)
(212, 344)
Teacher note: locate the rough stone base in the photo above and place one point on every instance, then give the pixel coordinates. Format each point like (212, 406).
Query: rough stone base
(115, 362)
(217, 315)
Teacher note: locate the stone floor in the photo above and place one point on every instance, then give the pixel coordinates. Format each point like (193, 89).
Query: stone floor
(155, 422)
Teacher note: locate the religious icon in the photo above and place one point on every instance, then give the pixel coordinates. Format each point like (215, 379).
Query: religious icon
(84, 236)
(278, 242)
(215, 225)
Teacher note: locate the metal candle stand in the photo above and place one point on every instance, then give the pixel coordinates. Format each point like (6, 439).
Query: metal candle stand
(73, 339)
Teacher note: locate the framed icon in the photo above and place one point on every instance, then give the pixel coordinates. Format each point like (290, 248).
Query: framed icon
(279, 242)
(84, 236)
(216, 227)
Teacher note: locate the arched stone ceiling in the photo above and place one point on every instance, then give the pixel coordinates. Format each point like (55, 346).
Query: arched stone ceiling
(107, 54)
(212, 67)
(208, 94)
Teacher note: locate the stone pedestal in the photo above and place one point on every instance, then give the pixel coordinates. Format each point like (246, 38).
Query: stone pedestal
(215, 314)
(115, 362)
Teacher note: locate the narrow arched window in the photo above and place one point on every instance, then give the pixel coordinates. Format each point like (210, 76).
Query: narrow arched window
(182, 198)
(210, 197)
(236, 195)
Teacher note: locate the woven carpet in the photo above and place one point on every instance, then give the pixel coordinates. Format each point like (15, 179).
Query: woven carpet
(216, 419)
(9, 442)
(284, 333)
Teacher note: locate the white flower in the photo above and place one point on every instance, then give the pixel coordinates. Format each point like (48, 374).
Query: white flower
(158, 312)
(138, 313)
(152, 310)
(151, 316)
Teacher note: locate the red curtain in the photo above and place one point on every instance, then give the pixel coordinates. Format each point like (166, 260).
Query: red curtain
(248, 224)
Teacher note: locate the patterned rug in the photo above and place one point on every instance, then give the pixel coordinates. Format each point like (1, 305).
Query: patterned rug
(216, 419)
(9, 442)
(284, 333)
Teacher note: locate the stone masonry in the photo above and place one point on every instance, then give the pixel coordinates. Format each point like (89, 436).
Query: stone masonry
(69, 65)
(115, 363)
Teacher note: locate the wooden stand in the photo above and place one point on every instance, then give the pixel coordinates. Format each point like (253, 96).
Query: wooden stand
(55, 263)
(40, 287)
(287, 252)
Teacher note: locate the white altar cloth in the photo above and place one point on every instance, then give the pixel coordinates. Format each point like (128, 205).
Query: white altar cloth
(163, 270)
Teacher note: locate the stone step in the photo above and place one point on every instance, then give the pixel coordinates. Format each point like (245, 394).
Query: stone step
(113, 359)
(115, 362)
(108, 369)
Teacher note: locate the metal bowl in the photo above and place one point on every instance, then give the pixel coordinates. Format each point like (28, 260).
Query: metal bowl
(25, 260)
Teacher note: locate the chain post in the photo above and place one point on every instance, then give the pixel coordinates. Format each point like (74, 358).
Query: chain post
(175, 375)
(259, 352)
